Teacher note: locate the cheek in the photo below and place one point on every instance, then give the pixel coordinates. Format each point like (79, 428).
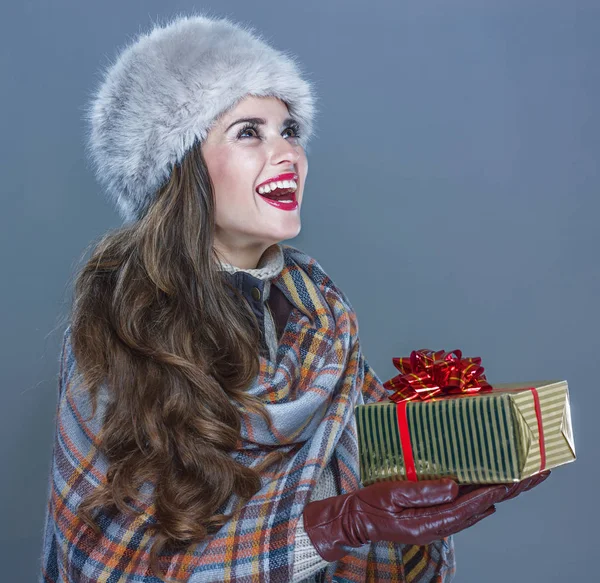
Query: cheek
(302, 161)
(225, 174)
(225, 182)
(303, 170)
(233, 172)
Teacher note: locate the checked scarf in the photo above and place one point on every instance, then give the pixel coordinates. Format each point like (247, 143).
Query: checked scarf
(319, 375)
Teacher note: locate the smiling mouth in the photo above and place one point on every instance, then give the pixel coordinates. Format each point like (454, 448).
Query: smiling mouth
(281, 195)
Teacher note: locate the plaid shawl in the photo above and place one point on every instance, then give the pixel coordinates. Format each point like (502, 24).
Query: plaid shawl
(310, 391)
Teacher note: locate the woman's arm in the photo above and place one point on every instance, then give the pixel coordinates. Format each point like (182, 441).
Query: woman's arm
(50, 547)
(306, 559)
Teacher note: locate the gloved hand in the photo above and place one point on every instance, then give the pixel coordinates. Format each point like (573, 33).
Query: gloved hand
(512, 489)
(524, 485)
(400, 511)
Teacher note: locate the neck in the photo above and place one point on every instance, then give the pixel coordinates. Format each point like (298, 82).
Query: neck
(246, 257)
(267, 266)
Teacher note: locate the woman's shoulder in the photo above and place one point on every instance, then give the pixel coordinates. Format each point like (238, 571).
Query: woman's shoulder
(67, 358)
(74, 397)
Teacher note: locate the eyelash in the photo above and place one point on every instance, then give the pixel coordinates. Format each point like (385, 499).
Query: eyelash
(253, 126)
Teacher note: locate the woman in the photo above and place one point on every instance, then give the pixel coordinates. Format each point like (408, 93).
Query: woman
(205, 425)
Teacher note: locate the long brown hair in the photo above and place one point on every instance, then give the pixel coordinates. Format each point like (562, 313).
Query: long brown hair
(153, 320)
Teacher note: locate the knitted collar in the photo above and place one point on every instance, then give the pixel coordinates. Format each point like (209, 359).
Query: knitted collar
(269, 265)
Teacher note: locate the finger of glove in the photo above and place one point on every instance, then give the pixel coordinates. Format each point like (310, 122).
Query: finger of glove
(472, 504)
(466, 488)
(512, 489)
(523, 486)
(405, 494)
(468, 523)
(493, 492)
(538, 479)
(417, 526)
(451, 516)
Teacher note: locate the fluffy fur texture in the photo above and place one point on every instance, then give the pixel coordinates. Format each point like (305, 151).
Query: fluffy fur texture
(168, 87)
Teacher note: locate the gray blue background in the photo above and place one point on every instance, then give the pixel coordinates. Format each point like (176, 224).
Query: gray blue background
(452, 193)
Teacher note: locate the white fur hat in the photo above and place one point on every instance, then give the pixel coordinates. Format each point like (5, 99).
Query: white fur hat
(167, 88)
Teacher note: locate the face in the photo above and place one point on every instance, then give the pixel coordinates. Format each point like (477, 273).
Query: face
(240, 156)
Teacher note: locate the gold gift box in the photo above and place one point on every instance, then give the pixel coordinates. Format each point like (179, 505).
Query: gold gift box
(485, 438)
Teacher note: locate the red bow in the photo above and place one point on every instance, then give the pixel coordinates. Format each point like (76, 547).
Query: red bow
(427, 374)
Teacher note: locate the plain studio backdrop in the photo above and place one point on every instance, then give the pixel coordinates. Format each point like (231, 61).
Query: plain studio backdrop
(452, 193)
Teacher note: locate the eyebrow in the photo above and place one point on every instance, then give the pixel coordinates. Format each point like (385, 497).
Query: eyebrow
(259, 121)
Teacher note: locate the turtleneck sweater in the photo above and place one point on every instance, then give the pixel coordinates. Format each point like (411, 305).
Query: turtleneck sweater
(308, 564)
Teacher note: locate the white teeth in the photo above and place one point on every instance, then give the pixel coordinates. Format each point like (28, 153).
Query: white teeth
(279, 184)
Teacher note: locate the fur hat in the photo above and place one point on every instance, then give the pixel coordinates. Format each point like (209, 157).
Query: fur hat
(167, 88)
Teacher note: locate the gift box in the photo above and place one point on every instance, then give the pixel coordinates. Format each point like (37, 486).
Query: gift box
(445, 420)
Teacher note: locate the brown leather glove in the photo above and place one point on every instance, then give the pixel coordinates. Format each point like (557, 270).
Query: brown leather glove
(399, 511)
(512, 489)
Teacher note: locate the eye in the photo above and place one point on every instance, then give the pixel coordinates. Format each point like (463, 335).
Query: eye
(247, 128)
(295, 127)
(252, 127)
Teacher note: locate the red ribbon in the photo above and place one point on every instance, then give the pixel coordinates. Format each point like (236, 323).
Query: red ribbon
(538, 414)
(540, 423)
(428, 375)
(407, 452)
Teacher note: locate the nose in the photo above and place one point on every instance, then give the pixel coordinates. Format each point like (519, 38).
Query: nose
(285, 150)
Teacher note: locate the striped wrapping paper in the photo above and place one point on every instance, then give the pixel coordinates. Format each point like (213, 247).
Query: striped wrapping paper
(478, 439)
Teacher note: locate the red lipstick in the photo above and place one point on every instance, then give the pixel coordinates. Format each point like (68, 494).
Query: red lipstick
(285, 176)
(284, 206)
